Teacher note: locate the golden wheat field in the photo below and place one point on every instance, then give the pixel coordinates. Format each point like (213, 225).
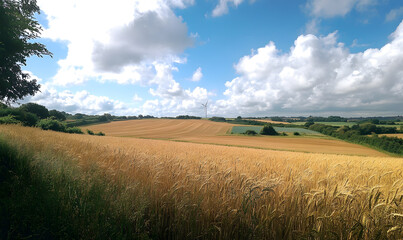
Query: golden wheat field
(220, 192)
(204, 131)
(163, 128)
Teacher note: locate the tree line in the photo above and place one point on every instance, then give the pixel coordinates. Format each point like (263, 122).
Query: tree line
(366, 134)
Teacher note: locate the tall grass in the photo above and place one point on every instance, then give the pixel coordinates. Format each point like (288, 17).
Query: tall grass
(45, 195)
(113, 188)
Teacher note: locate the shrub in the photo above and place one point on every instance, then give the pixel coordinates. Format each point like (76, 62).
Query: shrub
(74, 130)
(250, 132)
(217, 119)
(100, 134)
(27, 119)
(90, 132)
(284, 134)
(51, 124)
(9, 119)
(268, 130)
(296, 134)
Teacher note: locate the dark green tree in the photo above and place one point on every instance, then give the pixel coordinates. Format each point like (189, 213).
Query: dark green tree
(58, 115)
(18, 29)
(37, 109)
(268, 130)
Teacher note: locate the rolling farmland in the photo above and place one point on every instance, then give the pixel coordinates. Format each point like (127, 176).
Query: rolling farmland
(299, 144)
(203, 131)
(201, 120)
(242, 129)
(163, 128)
(180, 190)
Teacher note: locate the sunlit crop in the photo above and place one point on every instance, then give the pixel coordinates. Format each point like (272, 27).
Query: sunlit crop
(216, 192)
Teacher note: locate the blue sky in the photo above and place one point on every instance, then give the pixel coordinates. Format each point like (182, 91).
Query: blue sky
(248, 58)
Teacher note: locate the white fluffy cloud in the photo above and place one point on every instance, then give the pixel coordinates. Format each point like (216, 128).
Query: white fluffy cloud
(171, 98)
(331, 8)
(197, 75)
(319, 74)
(188, 102)
(79, 102)
(112, 41)
(128, 42)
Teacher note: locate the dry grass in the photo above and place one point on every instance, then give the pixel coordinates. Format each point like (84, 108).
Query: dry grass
(204, 131)
(399, 135)
(218, 192)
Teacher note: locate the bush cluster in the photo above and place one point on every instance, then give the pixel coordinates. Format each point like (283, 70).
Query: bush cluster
(268, 130)
(187, 117)
(10, 119)
(21, 116)
(51, 124)
(358, 134)
(250, 132)
(55, 125)
(90, 132)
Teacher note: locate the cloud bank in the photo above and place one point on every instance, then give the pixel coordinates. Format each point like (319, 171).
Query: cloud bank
(132, 42)
(79, 102)
(318, 75)
(117, 42)
(142, 42)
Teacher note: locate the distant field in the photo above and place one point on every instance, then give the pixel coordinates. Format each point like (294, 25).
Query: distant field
(299, 144)
(330, 123)
(243, 129)
(204, 131)
(399, 135)
(163, 128)
(398, 124)
(268, 121)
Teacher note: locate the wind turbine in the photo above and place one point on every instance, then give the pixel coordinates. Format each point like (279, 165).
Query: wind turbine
(205, 107)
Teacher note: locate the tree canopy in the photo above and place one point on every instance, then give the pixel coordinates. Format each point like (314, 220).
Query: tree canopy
(57, 114)
(18, 29)
(37, 109)
(268, 130)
